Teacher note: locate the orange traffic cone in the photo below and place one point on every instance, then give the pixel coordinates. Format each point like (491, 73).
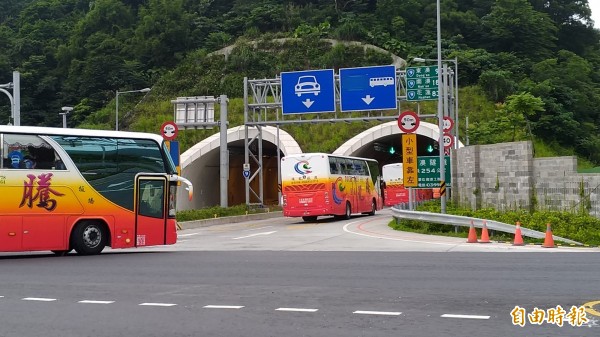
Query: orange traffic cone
(518, 237)
(549, 240)
(485, 237)
(472, 238)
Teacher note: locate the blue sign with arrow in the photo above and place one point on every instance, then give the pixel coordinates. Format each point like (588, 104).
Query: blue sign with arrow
(310, 91)
(368, 88)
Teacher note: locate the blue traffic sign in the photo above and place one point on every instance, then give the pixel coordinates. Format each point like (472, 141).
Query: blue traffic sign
(368, 88)
(310, 91)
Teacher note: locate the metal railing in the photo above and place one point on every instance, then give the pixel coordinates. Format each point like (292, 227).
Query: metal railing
(464, 221)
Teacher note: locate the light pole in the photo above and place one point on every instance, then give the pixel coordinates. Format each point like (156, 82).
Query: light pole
(66, 110)
(117, 93)
(440, 107)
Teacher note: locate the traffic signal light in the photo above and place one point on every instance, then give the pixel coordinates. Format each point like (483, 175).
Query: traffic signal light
(392, 150)
(429, 148)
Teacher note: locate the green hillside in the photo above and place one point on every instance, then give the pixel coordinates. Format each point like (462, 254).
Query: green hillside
(526, 70)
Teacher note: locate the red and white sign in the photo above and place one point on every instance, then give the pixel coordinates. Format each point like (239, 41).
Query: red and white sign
(448, 124)
(408, 121)
(169, 130)
(448, 141)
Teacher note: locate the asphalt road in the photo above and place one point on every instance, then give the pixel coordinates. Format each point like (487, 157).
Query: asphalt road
(283, 277)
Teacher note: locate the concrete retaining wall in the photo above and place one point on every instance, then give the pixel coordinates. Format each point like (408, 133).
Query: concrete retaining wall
(507, 176)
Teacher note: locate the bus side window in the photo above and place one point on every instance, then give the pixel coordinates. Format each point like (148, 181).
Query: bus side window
(332, 167)
(59, 165)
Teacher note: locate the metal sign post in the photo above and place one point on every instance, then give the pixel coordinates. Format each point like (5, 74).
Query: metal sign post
(198, 112)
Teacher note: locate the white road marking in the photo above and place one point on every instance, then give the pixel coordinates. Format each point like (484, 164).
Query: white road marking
(39, 299)
(223, 306)
(159, 304)
(256, 229)
(186, 235)
(297, 309)
(388, 313)
(96, 302)
(395, 239)
(251, 235)
(465, 316)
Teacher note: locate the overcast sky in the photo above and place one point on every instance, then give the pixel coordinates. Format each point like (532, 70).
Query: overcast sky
(595, 6)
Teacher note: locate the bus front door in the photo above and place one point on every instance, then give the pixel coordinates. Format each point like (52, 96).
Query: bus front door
(151, 214)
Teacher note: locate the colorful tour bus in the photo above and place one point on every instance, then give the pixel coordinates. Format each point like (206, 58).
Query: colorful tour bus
(394, 192)
(66, 189)
(316, 184)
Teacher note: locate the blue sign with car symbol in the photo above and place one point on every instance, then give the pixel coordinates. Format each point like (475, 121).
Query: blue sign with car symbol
(310, 91)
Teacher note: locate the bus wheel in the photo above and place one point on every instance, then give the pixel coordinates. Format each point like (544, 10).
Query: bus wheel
(373, 208)
(348, 211)
(61, 252)
(89, 238)
(309, 218)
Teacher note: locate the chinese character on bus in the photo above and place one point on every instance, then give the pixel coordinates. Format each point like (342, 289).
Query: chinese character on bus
(42, 194)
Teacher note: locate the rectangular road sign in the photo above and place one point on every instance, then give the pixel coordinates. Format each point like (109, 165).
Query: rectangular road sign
(368, 88)
(429, 171)
(421, 83)
(409, 159)
(310, 91)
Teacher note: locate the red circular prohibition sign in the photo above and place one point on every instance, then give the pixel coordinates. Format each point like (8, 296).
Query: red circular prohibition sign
(408, 121)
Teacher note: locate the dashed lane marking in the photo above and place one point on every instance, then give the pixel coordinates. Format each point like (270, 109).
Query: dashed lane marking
(39, 299)
(95, 302)
(158, 304)
(252, 235)
(297, 309)
(186, 235)
(223, 306)
(465, 316)
(388, 313)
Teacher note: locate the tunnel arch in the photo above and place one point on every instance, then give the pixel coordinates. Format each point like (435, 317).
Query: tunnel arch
(200, 164)
(354, 145)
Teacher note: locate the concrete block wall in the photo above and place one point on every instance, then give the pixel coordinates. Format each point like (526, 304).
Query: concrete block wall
(506, 176)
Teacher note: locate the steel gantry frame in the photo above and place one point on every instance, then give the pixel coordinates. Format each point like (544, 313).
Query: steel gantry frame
(262, 107)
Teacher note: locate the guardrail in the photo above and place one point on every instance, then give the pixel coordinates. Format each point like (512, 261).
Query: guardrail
(464, 221)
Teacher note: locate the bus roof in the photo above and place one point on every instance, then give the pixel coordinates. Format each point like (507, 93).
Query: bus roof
(312, 154)
(38, 130)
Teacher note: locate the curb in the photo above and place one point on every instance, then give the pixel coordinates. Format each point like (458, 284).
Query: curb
(227, 220)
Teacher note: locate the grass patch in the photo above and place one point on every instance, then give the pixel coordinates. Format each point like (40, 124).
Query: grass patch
(219, 212)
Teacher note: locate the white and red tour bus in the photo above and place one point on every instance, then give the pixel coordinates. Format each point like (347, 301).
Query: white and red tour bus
(318, 184)
(65, 189)
(394, 192)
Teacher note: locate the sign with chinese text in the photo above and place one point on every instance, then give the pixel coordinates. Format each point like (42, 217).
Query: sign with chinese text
(428, 168)
(409, 159)
(421, 83)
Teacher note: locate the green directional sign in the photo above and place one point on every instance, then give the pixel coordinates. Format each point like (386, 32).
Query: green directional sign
(428, 171)
(421, 83)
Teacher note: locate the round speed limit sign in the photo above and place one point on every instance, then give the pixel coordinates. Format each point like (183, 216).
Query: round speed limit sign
(448, 141)
(448, 124)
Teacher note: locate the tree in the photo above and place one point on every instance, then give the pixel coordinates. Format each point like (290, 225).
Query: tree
(520, 107)
(513, 25)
